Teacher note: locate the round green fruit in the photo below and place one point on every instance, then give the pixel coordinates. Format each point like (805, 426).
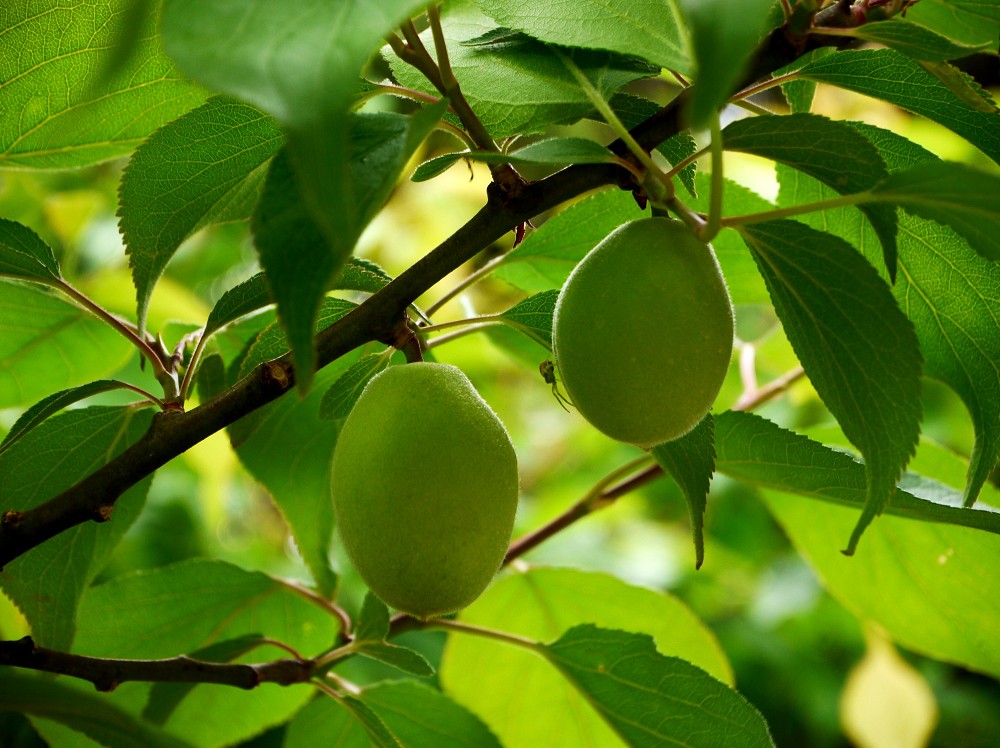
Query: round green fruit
(643, 332)
(425, 487)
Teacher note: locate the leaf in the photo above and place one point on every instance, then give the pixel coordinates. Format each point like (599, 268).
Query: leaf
(890, 75)
(187, 606)
(517, 85)
(88, 713)
(646, 28)
(301, 264)
(401, 658)
(723, 40)
(373, 621)
(832, 152)
(341, 396)
(961, 84)
(859, 350)
(374, 727)
(51, 405)
(57, 114)
(423, 717)
(24, 255)
(959, 196)
(48, 344)
(551, 151)
(533, 316)
(325, 722)
(933, 588)
(544, 260)
(690, 461)
(756, 451)
(47, 582)
(915, 41)
(652, 700)
(971, 22)
(947, 291)
(542, 604)
(205, 168)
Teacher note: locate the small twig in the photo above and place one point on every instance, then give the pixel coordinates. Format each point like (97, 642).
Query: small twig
(753, 400)
(321, 602)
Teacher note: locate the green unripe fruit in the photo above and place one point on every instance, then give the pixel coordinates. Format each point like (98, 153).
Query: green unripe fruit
(643, 332)
(425, 487)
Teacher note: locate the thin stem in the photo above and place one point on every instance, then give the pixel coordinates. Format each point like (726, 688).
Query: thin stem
(324, 661)
(796, 210)
(148, 395)
(482, 631)
(118, 325)
(192, 365)
(486, 318)
(711, 227)
(469, 280)
(786, 9)
(754, 108)
(684, 163)
(763, 86)
(461, 333)
(441, 48)
(752, 400)
(321, 602)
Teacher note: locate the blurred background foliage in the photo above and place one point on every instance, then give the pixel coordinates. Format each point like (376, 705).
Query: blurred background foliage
(798, 655)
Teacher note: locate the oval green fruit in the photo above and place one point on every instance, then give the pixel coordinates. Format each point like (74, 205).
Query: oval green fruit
(643, 332)
(425, 487)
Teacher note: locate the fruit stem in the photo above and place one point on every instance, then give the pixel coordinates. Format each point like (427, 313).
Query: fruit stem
(712, 226)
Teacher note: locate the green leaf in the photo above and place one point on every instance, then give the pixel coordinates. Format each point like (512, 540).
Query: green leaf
(945, 289)
(961, 84)
(58, 113)
(761, 453)
(832, 152)
(341, 396)
(551, 151)
(423, 717)
(859, 350)
(244, 298)
(47, 582)
(48, 344)
(971, 22)
(23, 254)
(542, 604)
(723, 39)
(373, 621)
(915, 41)
(191, 605)
(533, 316)
(373, 725)
(646, 28)
(165, 697)
(517, 85)
(652, 700)
(51, 405)
(205, 168)
(799, 93)
(892, 76)
(325, 722)
(40, 696)
(933, 588)
(690, 461)
(401, 658)
(547, 256)
(959, 196)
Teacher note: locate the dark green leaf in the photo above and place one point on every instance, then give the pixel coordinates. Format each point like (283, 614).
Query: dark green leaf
(961, 84)
(650, 699)
(423, 717)
(541, 604)
(959, 196)
(205, 168)
(517, 85)
(690, 461)
(401, 658)
(164, 697)
(23, 254)
(859, 350)
(362, 275)
(48, 581)
(632, 110)
(57, 112)
(832, 152)
(533, 316)
(375, 728)
(47, 344)
(646, 28)
(723, 38)
(88, 713)
(799, 93)
(340, 398)
(757, 451)
(914, 40)
(51, 405)
(892, 76)
(211, 377)
(373, 621)
(544, 260)
(244, 298)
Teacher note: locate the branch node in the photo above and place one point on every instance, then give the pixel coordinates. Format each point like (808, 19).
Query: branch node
(104, 512)
(280, 373)
(10, 518)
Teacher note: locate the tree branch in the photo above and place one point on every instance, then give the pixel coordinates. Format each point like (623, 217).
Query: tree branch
(172, 433)
(107, 674)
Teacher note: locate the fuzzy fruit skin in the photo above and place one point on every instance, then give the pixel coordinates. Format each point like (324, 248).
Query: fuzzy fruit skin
(425, 487)
(643, 332)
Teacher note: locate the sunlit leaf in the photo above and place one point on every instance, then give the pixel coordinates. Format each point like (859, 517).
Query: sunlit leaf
(24, 255)
(533, 316)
